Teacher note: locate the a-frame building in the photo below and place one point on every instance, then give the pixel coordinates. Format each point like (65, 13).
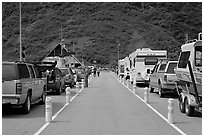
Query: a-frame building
(63, 57)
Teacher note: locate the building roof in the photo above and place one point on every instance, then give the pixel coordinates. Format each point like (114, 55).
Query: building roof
(61, 51)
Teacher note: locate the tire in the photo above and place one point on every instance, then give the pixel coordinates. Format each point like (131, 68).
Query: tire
(189, 109)
(161, 94)
(43, 97)
(151, 89)
(59, 90)
(27, 105)
(181, 105)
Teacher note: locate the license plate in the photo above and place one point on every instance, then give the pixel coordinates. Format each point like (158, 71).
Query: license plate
(50, 81)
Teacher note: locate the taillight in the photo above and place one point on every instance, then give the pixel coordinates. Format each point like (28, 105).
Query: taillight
(165, 77)
(18, 88)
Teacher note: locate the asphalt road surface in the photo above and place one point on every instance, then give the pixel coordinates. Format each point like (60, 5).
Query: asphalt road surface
(107, 108)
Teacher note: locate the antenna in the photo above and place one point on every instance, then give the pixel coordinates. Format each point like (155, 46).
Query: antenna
(20, 32)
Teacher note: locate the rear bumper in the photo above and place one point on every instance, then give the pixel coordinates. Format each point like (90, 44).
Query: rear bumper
(53, 86)
(168, 86)
(10, 99)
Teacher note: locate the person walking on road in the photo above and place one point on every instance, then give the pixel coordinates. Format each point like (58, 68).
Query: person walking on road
(98, 71)
(94, 70)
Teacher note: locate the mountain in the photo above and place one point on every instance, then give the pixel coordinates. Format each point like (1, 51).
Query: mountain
(94, 29)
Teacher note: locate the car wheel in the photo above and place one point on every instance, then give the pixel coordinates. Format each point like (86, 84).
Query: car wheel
(26, 106)
(181, 105)
(43, 97)
(189, 109)
(161, 94)
(151, 89)
(59, 90)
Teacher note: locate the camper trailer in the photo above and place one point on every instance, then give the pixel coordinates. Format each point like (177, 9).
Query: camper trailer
(127, 68)
(121, 67)
(189, 74)
(142, 62)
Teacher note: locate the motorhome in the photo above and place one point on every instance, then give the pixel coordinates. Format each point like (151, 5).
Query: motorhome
(121, 67)
(142, 62)
(127, 68)
(189, 74)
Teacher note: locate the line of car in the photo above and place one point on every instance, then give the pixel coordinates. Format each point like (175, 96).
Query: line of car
(24, 84)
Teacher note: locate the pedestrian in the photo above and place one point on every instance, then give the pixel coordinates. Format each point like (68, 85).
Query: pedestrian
(94, 70)
(87, 73)
(98, 71)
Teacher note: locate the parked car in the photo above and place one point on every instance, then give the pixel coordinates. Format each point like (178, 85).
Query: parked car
(22, 85)
(163, 78)
(55, 81)
(69, 78)
(80, 73)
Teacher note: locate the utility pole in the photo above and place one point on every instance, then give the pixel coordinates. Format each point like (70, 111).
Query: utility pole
(62, 40)
(186, 37)
(20, 32)
(118, 51)
(118, 55)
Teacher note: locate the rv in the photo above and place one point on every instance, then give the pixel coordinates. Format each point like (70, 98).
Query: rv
(121, 67)
(142, 62)
(189, 74)
(127, 68)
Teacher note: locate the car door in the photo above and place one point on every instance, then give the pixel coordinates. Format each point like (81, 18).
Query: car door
(39, 82)
(32, 83)
(153, 75)
(160, 74)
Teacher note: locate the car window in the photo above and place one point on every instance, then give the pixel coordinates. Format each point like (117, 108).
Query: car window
(151, 61)
(37, 72)
(70, 71)
(154, 69)
(58, 72)
(183, 59)
(198, 56)
(64, 71)
(23, 71)
(162, 67)
(31, 71)
(9, 72)
(171, 67)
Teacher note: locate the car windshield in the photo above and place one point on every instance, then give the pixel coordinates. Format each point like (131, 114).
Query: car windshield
(171, 67)
(9, 72)
(162, 67)
(64, 71)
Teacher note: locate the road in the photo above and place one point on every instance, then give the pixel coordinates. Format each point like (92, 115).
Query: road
(106, 107)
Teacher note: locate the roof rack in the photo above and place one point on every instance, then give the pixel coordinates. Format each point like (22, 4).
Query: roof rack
(190, 41)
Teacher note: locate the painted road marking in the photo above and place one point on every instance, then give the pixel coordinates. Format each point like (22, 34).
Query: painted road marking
(174, 126)
(53, 117)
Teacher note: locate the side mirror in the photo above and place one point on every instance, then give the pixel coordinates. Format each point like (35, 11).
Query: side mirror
(148, 71)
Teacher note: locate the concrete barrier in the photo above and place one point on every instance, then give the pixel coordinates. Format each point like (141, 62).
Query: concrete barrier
(171, 111)
(68, 95)
(146, 95)
(77, 88)
(48, 110)
(82, 83)
(128, 83)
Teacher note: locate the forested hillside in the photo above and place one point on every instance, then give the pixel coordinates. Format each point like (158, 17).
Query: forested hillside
(97, 28)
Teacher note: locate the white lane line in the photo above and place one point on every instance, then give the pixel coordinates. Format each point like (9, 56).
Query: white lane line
(53, 117)
(174, 126)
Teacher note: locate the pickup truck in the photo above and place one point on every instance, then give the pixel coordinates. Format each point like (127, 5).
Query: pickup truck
(163, 78)
(22, 85)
